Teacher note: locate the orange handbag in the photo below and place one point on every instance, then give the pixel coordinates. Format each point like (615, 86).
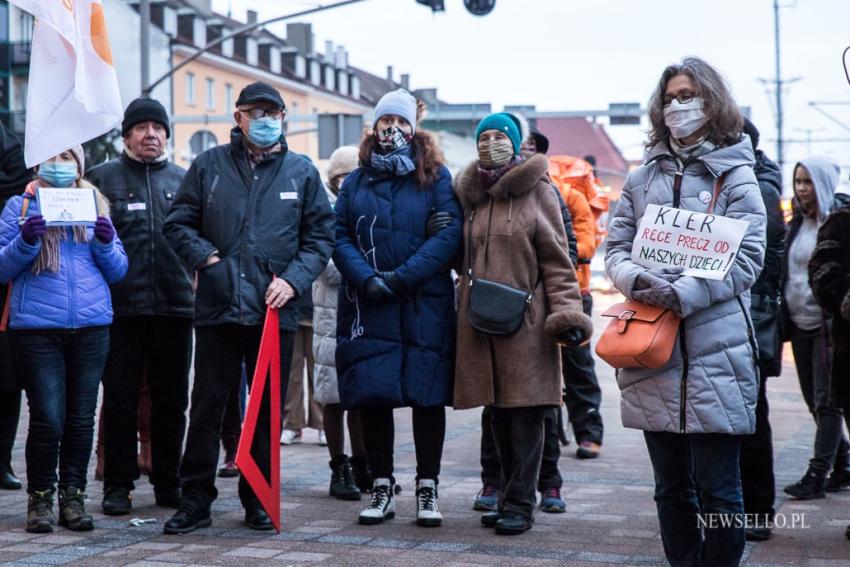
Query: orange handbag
(640, 336)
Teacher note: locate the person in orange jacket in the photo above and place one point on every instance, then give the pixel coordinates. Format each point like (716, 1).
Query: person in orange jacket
(582, 395)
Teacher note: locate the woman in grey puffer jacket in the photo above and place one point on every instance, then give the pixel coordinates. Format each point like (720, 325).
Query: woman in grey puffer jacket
(348, 476)
(694, 409)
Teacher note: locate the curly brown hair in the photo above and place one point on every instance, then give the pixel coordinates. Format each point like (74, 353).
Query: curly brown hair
(725, 122)
(427, 155)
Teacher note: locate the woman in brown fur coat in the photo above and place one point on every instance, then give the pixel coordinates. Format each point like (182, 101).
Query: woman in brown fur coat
(515, 236)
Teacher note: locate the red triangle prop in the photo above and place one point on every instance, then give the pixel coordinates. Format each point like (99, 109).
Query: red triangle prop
(268, 365)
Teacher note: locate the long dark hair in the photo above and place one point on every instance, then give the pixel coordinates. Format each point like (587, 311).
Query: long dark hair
(725, 122)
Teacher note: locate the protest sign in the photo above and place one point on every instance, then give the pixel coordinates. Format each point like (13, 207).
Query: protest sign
(705, 245)
(63, 207)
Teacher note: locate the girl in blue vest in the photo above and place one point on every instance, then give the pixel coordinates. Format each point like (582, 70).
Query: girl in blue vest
(60, 312)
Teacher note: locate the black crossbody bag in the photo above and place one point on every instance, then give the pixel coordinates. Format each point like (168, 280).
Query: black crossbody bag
(494, 308)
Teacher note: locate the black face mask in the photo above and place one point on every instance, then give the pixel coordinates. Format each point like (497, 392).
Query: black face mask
(393, 138)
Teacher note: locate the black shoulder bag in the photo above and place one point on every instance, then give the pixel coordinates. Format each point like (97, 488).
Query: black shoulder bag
(494, 308)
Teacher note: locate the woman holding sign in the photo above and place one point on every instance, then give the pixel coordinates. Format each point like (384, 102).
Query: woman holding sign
(694, 408)
(60, 252)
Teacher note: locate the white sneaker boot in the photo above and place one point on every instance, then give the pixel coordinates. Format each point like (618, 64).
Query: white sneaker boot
(382, 506)
(427, 511)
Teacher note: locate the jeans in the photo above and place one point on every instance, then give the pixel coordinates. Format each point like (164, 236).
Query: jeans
(491, 467)
(519, 440)
(811, 358)
(61, 371)
(429, 433)
(219, 352)
(757, 478)
(581, 388)
(158, 349)
(697, 478)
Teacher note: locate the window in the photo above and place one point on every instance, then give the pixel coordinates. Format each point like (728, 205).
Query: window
(210, 94)
(201, 141)
(27, 22)
(190, 88)
(228, 98)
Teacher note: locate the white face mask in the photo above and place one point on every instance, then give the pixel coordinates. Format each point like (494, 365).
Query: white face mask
(684, 119)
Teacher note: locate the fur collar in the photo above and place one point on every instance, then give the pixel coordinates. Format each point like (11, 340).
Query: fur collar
(518, 181)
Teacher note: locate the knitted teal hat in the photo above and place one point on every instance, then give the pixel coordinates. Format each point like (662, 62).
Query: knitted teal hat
(504, 122)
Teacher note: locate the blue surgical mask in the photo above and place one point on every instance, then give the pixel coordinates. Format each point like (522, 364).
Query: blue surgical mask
(265, 132)
(58, 173)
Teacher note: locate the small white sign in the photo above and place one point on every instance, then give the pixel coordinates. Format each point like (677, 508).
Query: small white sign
(288, 195)
(71, 206)
(137, 206)
(705, 245)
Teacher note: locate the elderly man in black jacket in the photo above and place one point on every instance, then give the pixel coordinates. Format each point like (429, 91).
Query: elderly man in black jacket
(253, 219)
(151, 335)
(757, 478)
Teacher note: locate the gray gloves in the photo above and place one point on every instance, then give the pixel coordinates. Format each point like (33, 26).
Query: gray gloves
(655, 287)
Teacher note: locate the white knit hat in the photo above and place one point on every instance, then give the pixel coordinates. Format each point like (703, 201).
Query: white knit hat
(398, 102)
(343, 161)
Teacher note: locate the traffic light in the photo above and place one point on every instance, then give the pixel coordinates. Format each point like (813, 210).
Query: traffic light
(435, 5)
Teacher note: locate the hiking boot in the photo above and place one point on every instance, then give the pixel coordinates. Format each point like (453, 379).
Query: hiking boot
(487, 499)
(72, 510)
(810, 487)
(290, 436)
(187, 520)
(40, 518)
(588, 450)
(552, 502)
(512, 523)
(838, 480)
(362, 475)
(342, 479)
(382, 506)
(117, 501)
(489, 520)
(427, 511)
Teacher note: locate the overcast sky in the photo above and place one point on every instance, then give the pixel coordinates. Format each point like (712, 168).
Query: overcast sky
(582, 55)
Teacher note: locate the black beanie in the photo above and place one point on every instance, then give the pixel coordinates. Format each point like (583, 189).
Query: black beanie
(145, 109)
(751, 131)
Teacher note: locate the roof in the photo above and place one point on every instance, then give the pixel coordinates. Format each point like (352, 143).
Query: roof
(580, 137)
(373, 87)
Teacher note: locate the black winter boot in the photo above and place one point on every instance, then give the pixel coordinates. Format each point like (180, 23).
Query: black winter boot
(362, 474)
(342, 479)
(810, 487)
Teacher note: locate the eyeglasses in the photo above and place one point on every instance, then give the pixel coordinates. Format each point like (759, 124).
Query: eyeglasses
(257, 113)
(682, 97)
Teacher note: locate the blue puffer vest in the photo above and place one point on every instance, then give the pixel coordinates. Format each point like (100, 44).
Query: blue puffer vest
(74, 297)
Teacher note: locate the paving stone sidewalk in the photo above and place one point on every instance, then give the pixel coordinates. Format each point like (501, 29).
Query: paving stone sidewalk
(610, 519)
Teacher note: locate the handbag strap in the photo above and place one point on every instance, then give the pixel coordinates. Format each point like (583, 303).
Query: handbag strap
(718, 187)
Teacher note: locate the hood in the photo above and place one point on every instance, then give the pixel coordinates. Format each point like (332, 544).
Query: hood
(717, 161)
(825, 174)
(518, 181)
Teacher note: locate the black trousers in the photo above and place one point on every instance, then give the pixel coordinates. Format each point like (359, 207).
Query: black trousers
(159, 348)
(429, 433)
(581, 388)
(491, 467)
(519, 441)
(219, 352)
(757, 479)
(10, 413)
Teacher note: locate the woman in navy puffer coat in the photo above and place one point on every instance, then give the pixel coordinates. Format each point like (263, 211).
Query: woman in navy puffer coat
(60, 312)
(398, 227)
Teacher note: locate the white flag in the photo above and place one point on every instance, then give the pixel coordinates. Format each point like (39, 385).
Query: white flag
(73, 92)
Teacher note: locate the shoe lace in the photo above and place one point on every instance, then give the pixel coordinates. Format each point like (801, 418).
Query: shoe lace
(74, 501)
(488, 490)
(427, 497)
(346, 473)
(42, 502)
(380, 496)
(552, 493)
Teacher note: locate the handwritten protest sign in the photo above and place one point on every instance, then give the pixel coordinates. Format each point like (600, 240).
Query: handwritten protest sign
(63, 207)
(705, 245)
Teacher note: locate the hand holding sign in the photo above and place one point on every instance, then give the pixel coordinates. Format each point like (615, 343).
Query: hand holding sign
(703, 245)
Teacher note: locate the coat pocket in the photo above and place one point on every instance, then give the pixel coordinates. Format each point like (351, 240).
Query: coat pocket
(215, 288)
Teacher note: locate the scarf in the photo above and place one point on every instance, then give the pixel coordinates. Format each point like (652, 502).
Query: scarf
(489, 177)
(692, 152)
(163, 157)
(49, 256)
(397, 163)
(256, 157)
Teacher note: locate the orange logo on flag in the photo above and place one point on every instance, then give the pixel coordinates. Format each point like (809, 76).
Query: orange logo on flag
(99, 36)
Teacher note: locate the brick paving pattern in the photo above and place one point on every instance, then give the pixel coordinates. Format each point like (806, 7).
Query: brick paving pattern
(610, 517)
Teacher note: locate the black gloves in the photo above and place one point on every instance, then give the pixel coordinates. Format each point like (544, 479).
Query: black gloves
(376, 289)
(394, 282)
(573, 337)
(437, 222)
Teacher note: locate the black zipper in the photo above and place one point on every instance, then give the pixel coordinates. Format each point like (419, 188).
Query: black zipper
(683, 392)
(150, 217)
